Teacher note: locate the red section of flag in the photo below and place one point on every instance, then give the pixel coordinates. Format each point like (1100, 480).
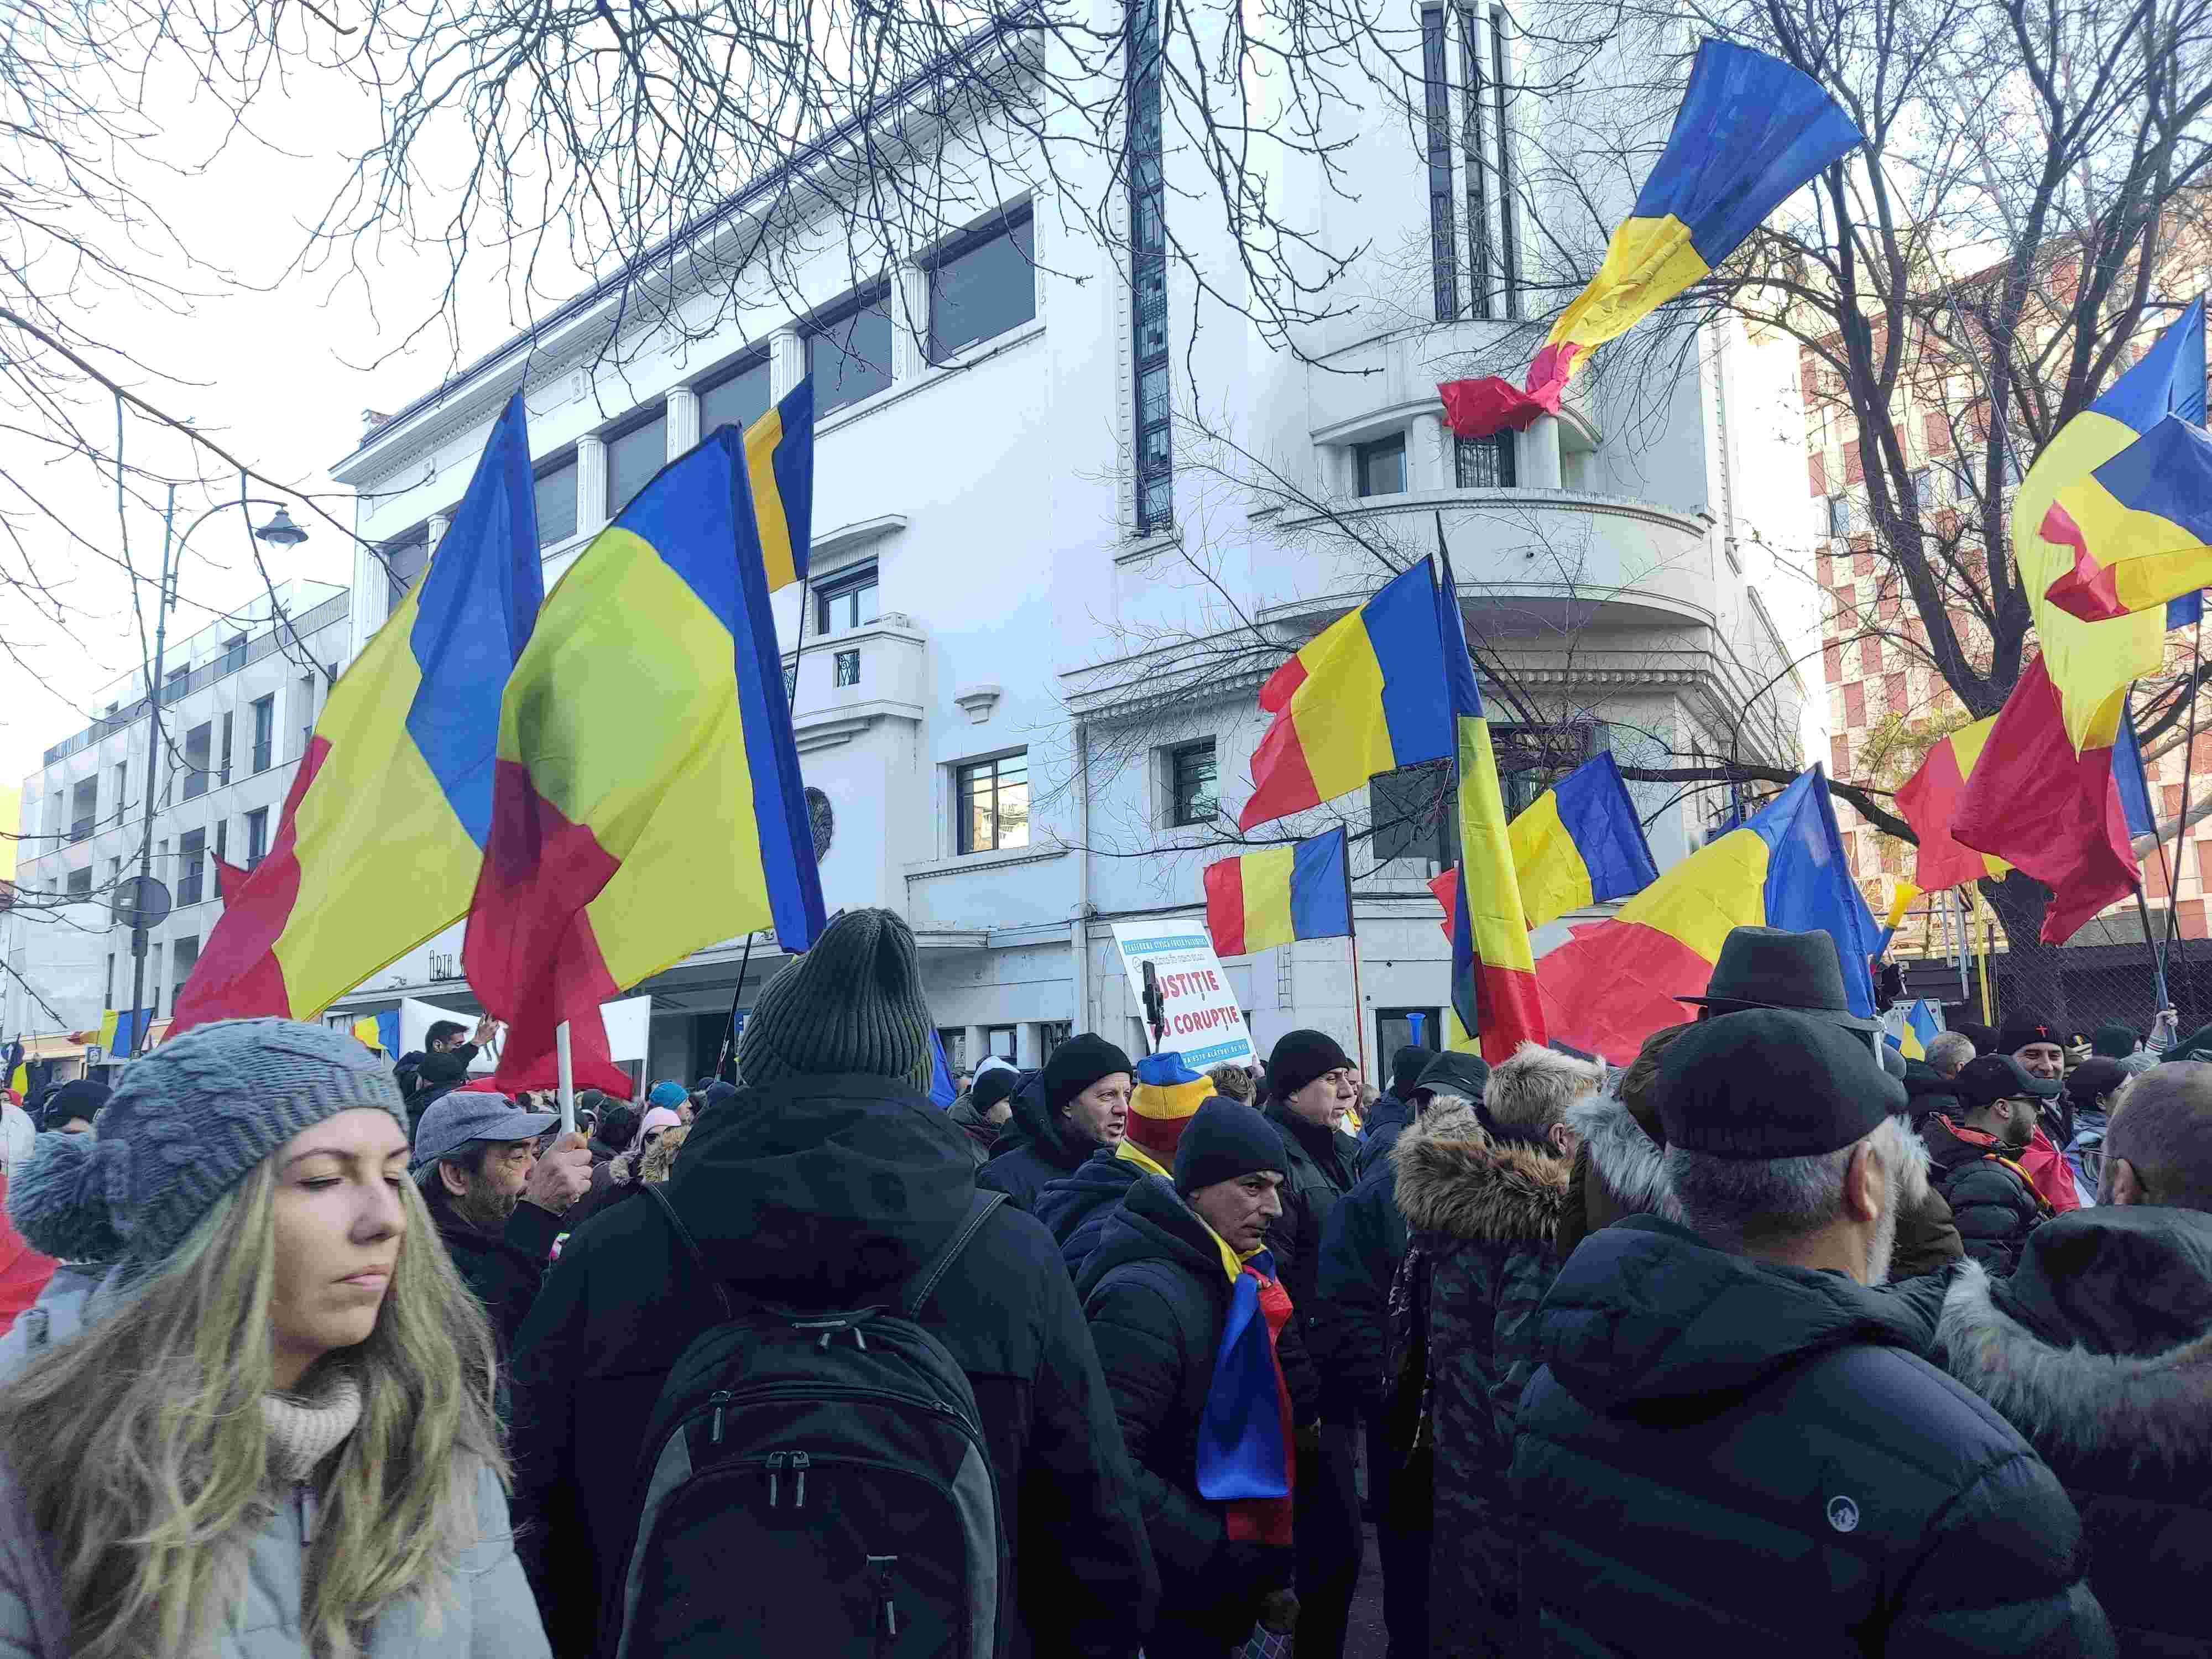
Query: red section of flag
(2049, 811)
(1282, 783)
(1225, 906)
(1512, 1010)
(2089, 590)
(237, 975)
(1275, 695)
(589, 1064)
(1480, 408)
(1445, 887)
(228, 879)
(1267, 1520)
(1928, 798)
(1614, 983)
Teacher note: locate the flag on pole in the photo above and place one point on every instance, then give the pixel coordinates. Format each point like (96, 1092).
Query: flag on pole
(1261, 900)
(1910, 1030)
(379, 1031)
(2092, 664)
(1751, 131)
(1360, 698)
(648, 800)
(1927, 800)
(1614, 982)
(2139, 527)
(384, 827)
(1579, 843)
(941, 1091)
(779, 468)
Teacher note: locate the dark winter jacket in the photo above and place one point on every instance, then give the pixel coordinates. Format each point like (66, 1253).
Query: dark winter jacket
(506, 1272)
(1928, 1092)
(1156, 1294)
(1035, 1148)
(427, 1076)
(1385, 1123)
(1992, 1201)
(2098, 1349)
(982, 1134)
(1619, 1169)
(1075, 1206)
(1463, 1313)
(1318, 1174)
(1361, 1246)
(1720, 1456)
(830, 1192)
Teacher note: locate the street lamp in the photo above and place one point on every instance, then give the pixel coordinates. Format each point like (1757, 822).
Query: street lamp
(279, 532)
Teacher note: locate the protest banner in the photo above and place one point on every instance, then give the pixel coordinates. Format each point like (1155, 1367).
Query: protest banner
(1203, 1021)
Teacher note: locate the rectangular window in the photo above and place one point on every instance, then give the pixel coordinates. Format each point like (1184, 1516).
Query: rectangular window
(234, 654)
(80, 882)
(984, 286)
(114, 875)
(738, 398)
(1379, 468)
(153, 992)
(1532, 757)
(229, 720)
(122, 788)
(1436, 98)
(84, 807)
(846, 666)
(1396, 1027)
(1410, 812)
(199, 759)
(999, 1039)
(1840, 516)
(222, 839)
(303, 707)
(1192, 794)
(994, 804)
(173, 682)
(849, 356)
(1051, 1033)
(556, 502)
(403, 561)
(846, 602)
(953, 1039)
(183, 954)
(1484, 463)
(1476, 160)
(107, 998)
(1920, 496)
(1148, 276)
(264, 731)
(256, 837)
(632, 457)
(192, 866)
(1509, 232)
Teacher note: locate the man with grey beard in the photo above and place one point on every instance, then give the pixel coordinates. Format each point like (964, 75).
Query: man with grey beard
(1734, 1438)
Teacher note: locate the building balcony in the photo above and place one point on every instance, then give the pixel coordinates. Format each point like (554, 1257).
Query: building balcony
(848, 681)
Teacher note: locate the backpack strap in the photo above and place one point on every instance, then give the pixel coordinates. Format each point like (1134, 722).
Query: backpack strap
(690, 1246)
(919, 1287)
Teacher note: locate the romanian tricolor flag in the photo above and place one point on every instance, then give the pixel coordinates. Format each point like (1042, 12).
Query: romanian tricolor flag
(1928, 798)
(779, 468)
(384, 829)
(2057, 815)
(2093, 663)
(1361, 698)
(380, 1032)
(1578, 844)
(1614, 982)
(2139, 526)
(648, 800)
(1246, 1450)
(1259, 901)
(1910, 1030)
(1751, 131)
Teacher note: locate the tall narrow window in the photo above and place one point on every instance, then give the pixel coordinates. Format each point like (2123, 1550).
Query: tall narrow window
(403, 561)
(192, 866)
(229, 720)
(738, 398)
(1435, 97)
(1148, 275)
(1509, 232)
(632, 457)
(199, 744)
(256, 837)
(1484, 463)
(1477, 159)
(1379, 468)
(556, 502)
(264, 731)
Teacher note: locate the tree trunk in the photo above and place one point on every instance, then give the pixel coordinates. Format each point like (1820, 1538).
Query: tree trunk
(2033, 983)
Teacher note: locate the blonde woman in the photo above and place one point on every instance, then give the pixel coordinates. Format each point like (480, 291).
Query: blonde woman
(271, 1434)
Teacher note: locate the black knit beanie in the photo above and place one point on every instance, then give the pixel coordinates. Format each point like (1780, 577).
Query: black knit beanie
(2021, 1030)
(1298, 1059)
(1077, 1064)
(853, 1003)
(994, 1086)
(1222, 1140)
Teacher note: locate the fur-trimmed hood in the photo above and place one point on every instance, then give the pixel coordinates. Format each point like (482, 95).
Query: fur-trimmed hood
(2088, 1398)
(1454, 1178)
(1630, 1163)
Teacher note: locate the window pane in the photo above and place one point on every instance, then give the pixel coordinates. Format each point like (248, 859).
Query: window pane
(1443, 233)
(1476, 160)
(403, 561)
(851, 357)
(1013, 813)
(632, 459)
(1483, 463)
(80, 882)
(848, 602)
(1195, 798)
(1381, 466)
(556, 504)
(986, 290)
(256, 837)
(199, 743)
(738, 400)
(1509, 239)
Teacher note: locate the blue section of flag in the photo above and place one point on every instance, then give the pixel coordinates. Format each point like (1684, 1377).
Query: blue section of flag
(128, 1026)
(1599, 817)
(2128, 778)
(941, 1091)
(1320, 887)
(387, 1032)
(2169, 380)
(1925, 1024)
(2185, 610)
(1809, 881)
(1244, 1447)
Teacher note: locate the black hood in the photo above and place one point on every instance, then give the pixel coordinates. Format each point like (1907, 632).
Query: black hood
(1101, 1178)
(1645, 1315)
(819, 1191)
(1928, 1088)
(1036, 1124)
(2132, 1279)
(1154, 1224)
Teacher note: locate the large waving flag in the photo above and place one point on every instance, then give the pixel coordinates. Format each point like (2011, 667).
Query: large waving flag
(384, 828)
(1361, 698)
(2139, 526)
(1614, 982)
(1579, 843)
(1751, 132)
(1259, 901)
(1928, 798)
(779, 468)
(2057, 815)
(648, 800)
(2093, 663)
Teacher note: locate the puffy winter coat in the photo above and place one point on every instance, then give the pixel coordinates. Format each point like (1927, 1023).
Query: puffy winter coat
(830, 1192)
(1619, 1169)
(1928, 1092)
(1722, 1456)
(1034, 1149)
(1319, 1173)
(1075, 1206)
(1463, 1311)
(1386, 1122)
(1991, 1199)
(982, 1134)
(1361, 1246)
(1155, 1294)
(505, 1272)
(2098, 1349)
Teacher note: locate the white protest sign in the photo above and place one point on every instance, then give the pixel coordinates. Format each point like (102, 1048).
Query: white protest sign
(1204, 1022)
(628, 1023)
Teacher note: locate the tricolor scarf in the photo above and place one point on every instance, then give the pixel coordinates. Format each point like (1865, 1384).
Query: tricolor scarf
(1246, 1459)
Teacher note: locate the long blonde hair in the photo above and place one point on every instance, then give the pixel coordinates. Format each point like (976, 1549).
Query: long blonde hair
(143, 1456)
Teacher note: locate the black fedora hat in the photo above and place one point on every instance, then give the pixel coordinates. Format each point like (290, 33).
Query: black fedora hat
(1774, 968)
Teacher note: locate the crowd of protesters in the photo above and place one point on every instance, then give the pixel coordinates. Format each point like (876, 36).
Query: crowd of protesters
(1751, 1345)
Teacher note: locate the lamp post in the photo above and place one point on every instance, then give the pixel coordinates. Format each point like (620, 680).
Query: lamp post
(279, 532)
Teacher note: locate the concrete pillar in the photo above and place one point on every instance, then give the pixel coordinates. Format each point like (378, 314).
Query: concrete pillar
(1538, 462)
(682, 419)
(976, 1049)
(591, 484)
(787, 363)
(1429, 464)
(909, 323)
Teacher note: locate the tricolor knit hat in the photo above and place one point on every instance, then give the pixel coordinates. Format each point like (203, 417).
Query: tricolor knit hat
(1167, 1093)
(853, 1003)
(189, 1122)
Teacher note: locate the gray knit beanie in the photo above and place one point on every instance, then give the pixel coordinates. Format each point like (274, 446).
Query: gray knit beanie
(852, 1004)
(188, 1123)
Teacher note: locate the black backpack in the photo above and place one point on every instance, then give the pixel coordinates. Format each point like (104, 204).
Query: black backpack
(813, 1484)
